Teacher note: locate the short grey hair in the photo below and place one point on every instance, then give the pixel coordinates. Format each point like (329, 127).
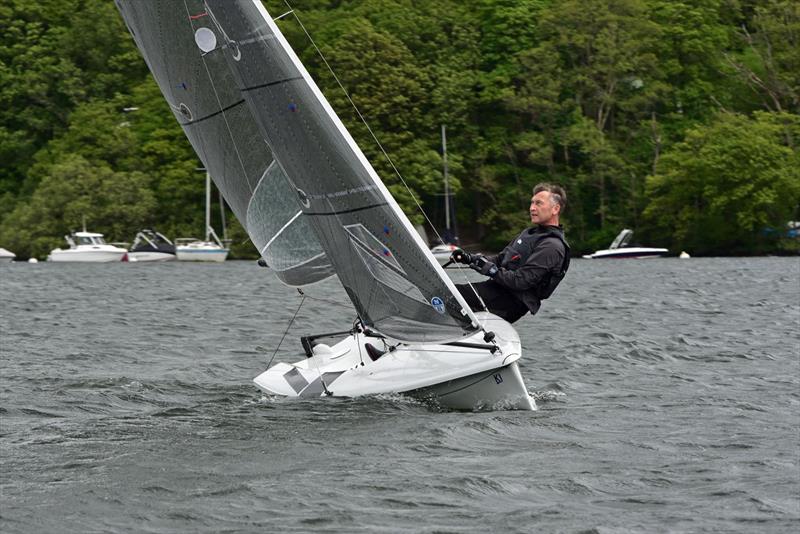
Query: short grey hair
(557, 193)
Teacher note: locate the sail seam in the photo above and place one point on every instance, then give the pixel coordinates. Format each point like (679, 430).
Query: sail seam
(323, 213)
(269, 84)
(223, 110)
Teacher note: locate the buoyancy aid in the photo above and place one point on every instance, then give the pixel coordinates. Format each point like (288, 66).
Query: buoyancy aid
(519, 250)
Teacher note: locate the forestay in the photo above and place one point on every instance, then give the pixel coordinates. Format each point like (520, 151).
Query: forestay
(205, 100)
(395, 284)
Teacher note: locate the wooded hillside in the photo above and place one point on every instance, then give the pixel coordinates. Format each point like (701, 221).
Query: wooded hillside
(679, 119)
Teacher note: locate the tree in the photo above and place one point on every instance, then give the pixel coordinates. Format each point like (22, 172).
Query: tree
(718, 190)
(770, 64)
(73, 191)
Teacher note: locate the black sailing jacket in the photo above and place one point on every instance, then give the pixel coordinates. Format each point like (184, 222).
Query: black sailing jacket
(533, 264)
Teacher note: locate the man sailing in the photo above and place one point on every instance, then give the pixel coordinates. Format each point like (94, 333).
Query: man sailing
(529, 268)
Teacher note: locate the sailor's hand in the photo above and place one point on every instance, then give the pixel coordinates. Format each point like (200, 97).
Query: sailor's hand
(483, 266)
(460, 256)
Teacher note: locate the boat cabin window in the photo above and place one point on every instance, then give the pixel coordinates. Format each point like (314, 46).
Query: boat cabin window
(87, 240)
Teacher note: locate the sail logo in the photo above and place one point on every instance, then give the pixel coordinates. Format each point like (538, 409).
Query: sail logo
(438, 304)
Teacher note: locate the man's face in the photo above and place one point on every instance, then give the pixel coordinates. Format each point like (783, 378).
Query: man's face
(543, 209)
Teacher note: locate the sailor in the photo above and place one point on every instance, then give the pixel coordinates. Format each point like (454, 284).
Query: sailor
(529, 268)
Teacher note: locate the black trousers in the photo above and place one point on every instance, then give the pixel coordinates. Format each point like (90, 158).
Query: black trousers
(499, 300)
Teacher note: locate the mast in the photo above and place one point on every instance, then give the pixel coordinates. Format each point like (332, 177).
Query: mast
(446, 185)
(208, 206)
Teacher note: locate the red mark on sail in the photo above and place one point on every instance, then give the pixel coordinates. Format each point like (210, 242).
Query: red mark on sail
(195, 17)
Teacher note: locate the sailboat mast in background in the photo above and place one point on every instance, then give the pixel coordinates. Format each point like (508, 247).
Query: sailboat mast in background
(447, 231)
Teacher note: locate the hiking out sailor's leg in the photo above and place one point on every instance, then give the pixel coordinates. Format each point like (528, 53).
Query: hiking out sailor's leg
(498, 300)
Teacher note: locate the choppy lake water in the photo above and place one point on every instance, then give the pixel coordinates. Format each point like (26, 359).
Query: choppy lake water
(668, 393)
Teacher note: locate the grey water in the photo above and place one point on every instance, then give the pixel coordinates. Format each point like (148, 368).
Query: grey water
(668, 394)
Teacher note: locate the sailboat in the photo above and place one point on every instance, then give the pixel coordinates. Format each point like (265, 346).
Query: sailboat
(443, 250)
(210, 249)
(314, 206)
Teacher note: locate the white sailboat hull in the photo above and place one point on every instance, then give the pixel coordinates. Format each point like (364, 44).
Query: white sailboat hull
(87, 254)
(199, 253)
(454, 376)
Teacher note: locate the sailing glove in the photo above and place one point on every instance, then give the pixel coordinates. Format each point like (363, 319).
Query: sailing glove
(460, 256)
(484, 266)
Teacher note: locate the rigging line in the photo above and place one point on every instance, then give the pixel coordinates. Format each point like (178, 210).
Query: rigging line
(360, 116)
(358, 112)
(287, 329)
(326, 301)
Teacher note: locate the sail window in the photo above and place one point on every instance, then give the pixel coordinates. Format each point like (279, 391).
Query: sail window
(185, 111)
(206, 39)
(381, 264)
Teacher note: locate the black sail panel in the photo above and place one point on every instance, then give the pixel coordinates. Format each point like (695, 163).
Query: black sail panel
(396, 285)
(205, 99)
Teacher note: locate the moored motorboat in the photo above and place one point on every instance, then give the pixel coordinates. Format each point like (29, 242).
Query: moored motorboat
(6, 256)
(150, 245)
(621, 249)
(87, 247)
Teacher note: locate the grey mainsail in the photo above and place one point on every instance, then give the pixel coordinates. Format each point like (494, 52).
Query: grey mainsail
(395, 284)
(205, 100)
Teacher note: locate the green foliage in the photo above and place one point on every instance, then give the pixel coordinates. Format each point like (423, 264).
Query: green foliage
(644, 109)
(74, 191)
(726, 184)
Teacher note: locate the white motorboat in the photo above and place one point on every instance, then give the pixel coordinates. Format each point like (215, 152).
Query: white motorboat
(150, 245)
(620, 249)
(209, 249)
(314, 206)
(6, 256)
(87, 247)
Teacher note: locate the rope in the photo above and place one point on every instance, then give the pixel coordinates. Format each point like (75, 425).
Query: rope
(375, 138)
(360, 116)
(287, 328)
